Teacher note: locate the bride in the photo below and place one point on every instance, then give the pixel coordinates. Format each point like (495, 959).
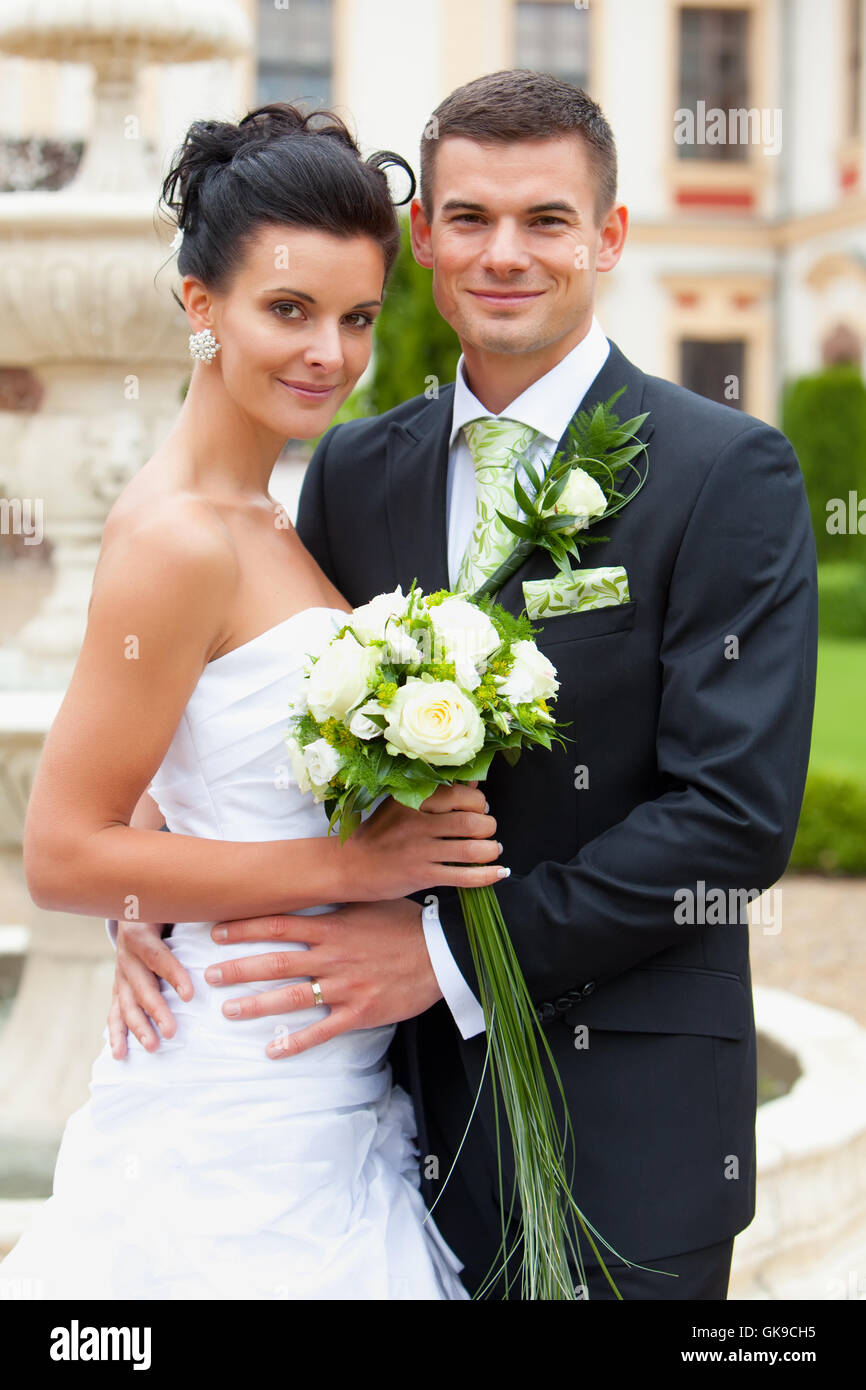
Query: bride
(205, 1170)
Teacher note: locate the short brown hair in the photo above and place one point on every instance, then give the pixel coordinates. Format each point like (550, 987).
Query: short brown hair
(517, 104)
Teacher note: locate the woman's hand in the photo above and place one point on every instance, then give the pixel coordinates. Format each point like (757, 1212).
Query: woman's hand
(448, 843)
(143, 959)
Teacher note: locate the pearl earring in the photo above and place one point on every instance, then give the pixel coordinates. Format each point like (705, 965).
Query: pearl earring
(203, 346)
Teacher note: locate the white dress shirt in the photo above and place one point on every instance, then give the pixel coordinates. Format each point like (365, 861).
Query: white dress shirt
(548, 406)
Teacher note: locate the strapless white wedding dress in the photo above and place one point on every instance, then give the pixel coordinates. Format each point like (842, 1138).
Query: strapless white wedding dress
(205, 1169)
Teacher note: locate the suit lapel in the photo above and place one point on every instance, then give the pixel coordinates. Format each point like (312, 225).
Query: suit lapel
(616, 371)
(415, 488)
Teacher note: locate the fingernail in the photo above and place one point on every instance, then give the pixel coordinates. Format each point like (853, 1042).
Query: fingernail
(220, 933)
(503, 873)
(213, 975)
(232, 1010)
(486, 807)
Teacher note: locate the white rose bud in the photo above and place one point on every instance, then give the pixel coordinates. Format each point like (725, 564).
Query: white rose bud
(582, 498)
(341, 677)
(361, 725)
(299, 767)
(466, 635)
(402, 647)
(532, 677)
(321, 761)
(436, 721)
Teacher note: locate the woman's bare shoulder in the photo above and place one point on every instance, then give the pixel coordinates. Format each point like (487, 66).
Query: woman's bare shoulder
(178, 528)
(161, 548)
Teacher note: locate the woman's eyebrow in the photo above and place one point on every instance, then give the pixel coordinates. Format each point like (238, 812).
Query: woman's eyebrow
(299, 294)
(296, 294)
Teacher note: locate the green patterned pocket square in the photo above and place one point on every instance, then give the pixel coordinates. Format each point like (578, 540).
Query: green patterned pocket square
(599, 588)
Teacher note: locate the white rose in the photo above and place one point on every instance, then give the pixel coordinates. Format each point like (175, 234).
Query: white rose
(436, 721)
(361, 725)
(299, 767)
(321, 761)
(369, 620)
(466, 635)
(341, 677)
(532, 677)
(582, 498)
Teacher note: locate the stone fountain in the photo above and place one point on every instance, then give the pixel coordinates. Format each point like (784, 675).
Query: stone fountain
(83, 308)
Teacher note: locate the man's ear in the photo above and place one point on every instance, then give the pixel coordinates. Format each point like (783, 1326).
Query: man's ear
(613, 234)
(422, 245)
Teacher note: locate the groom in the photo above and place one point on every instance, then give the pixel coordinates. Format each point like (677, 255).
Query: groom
(689, 695)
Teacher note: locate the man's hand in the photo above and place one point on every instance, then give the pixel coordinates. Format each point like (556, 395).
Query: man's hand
(370, 960)
(142, 959)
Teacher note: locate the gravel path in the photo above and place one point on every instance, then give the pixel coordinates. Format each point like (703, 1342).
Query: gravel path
(820, 950)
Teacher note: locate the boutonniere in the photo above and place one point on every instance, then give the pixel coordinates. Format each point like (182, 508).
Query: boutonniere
(581, 486)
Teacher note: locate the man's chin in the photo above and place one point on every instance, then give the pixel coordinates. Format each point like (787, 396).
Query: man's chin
(509, 340)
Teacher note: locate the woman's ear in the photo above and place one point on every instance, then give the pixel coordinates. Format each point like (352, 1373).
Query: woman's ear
(198, 304)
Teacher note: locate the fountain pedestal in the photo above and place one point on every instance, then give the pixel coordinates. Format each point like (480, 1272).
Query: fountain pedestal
(84, 308)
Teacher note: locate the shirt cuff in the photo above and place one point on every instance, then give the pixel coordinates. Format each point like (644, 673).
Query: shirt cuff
(111, 928)
(465, 1008)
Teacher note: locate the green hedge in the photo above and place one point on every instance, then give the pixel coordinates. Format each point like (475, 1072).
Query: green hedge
(842, 599)
(831, 836)
(824, 416)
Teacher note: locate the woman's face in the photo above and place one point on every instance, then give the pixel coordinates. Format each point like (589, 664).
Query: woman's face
(295, 325)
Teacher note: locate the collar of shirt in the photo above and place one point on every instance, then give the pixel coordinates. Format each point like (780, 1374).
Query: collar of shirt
(549, 404)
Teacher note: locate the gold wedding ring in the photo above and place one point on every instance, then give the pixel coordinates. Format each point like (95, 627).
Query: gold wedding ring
(317, 992)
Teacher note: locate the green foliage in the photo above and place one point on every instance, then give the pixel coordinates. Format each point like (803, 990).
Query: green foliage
(831, 836)
(414, 350)
(842, 599)
(824, 416)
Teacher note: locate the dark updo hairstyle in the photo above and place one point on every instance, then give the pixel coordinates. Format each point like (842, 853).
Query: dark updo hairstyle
(276, 165)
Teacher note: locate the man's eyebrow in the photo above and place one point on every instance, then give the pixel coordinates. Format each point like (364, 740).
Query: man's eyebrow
(299, 294)
(454, 203)
(558, 205)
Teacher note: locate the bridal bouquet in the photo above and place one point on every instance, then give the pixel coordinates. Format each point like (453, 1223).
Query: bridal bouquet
(417, 690)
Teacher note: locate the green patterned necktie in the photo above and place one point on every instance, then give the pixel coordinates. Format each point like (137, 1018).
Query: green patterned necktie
(495, 443)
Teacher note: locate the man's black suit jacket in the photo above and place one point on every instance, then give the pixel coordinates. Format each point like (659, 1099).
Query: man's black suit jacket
(695, 748)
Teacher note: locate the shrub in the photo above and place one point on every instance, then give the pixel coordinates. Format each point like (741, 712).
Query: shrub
(831, 836)
(842, 599)
(824, 416)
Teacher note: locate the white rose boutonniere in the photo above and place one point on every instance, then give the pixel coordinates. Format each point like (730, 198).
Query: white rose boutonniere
(581, 498)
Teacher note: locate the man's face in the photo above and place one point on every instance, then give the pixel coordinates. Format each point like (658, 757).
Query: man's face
(513, 241)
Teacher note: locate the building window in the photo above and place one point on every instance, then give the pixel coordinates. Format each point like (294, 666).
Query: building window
(295, 52)
(854, 74)
(714, 369)
(553, 37)
(714, 71)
